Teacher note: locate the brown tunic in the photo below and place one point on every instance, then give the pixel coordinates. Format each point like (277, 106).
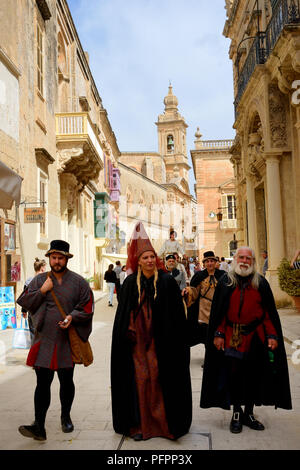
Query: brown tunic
(153, 421)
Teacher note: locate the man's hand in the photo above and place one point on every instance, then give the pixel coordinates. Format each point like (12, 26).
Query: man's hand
(66, 322)
(48, 285)
(272, 344)
(219, 343)
(185, 292)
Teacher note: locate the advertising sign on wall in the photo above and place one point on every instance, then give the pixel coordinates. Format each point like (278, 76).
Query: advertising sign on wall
(7, 308)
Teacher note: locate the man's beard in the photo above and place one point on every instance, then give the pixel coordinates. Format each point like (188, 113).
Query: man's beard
(244, 271)
(56, 268)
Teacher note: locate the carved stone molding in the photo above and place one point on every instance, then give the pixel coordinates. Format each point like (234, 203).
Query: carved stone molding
(70, 189)
(277, 118)
(79, 161)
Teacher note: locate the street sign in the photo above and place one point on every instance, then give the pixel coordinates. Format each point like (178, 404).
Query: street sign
(34, 215)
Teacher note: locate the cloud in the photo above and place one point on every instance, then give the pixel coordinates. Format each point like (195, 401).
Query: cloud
(137, 46)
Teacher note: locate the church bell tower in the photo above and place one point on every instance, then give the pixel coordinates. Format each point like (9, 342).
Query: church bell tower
(171, 128)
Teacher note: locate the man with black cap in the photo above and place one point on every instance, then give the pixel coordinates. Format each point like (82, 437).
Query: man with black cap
(171, 265)
(51, 350)
(199, 297)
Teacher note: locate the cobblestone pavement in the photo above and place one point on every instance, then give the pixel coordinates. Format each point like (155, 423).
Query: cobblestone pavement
(91, 412)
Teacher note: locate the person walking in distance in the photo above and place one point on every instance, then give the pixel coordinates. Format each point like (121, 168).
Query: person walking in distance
(39, 267)
(51, 350)
(111, 279)
(118, 269)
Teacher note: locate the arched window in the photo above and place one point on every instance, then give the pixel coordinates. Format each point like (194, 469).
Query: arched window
(170, 143)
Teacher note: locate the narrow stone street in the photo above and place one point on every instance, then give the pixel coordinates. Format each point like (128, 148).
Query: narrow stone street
(91, 411)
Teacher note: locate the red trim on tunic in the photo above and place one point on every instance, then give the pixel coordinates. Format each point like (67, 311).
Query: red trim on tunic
(33, 353)
(88, 308)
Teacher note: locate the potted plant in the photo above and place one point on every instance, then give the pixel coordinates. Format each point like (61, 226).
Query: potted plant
(289, 281)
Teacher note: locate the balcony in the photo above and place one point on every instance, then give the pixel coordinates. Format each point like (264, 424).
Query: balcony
(78, 146)
(284, 12)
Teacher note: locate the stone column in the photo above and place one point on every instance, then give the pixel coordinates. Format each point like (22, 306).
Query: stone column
(251, 213)
(274, 213)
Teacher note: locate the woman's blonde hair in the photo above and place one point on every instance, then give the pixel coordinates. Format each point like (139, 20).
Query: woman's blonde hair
(138, 281)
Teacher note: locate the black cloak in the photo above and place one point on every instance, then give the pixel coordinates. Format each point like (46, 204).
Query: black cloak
(195, 332)
(270, 385)
(173, 357)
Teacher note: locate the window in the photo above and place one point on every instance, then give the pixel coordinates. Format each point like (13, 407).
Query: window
(170, 143)
(231, 207)
(40, 59)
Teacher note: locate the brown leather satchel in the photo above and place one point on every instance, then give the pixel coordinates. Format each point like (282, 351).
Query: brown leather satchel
(81, 350)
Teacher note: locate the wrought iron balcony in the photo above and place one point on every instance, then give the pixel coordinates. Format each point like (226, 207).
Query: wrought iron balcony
(284, 12)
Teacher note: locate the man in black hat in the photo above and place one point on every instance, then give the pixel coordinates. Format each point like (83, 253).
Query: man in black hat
(171, 266)
(199, 297)
(50, 350)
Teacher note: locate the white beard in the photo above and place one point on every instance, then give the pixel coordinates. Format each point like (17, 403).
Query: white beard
(241, 271)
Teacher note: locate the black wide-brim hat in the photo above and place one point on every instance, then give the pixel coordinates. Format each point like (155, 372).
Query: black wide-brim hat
(209, 255)
(59, 246)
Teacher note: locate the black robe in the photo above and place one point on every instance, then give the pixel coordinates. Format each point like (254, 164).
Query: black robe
(173, 356)
(270, 384)
(195, 330)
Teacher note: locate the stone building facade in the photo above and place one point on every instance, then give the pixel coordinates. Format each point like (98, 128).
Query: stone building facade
(215, 193)
(265, 45)
(54, 133)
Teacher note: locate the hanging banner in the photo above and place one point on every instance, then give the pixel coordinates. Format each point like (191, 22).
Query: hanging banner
(7, 308)
(34, 215)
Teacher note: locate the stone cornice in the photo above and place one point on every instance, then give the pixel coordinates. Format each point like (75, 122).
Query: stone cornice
(9, 63)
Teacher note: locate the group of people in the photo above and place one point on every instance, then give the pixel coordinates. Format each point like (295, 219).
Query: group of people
(158, 318)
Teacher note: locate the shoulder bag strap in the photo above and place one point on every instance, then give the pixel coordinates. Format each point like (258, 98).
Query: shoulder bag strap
(57, 301)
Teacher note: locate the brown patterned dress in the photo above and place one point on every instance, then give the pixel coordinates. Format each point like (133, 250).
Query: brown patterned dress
(153, 421)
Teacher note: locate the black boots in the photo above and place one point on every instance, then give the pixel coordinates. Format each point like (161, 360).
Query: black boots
(252, 423)
(66, 424)
(35, 431)
(236, 424)
(239, 418)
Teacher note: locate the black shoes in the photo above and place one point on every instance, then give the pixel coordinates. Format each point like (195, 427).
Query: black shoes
(35, 431)
(236, 424)
(38, 432)
(66, 424)
(138, 437)
(110, 305)
(239, 418)
(250, 421)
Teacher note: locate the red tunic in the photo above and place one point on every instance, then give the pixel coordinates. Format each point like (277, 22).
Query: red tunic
(251, 310)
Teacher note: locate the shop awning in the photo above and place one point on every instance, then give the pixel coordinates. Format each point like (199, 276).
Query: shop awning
(10, 187)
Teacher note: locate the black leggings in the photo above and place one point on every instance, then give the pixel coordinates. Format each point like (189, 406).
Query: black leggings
(42, 394)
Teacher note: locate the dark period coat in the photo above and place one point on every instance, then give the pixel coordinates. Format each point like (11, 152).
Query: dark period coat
(51, 347)
(195, 332)
(173, 357)
(270, 382)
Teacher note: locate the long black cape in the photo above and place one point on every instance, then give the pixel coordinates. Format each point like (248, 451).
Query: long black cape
(195, 332)
(271, 383)
(173, 356)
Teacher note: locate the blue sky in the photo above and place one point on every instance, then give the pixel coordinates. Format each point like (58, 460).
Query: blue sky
(137, 46)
